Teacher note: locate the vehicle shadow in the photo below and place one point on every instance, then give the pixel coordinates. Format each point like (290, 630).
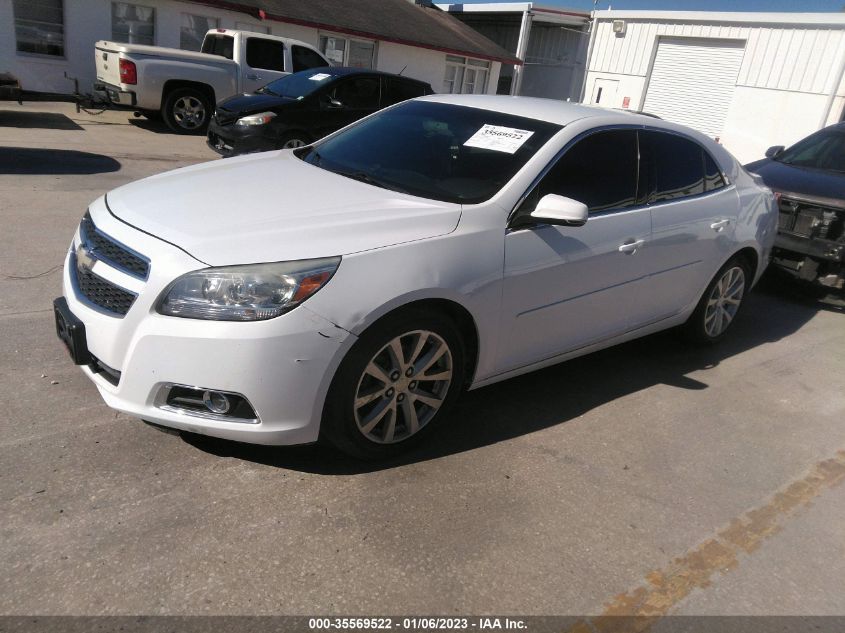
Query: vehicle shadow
(30, 120)
(31, 161)
(554, 395)
(151, 125)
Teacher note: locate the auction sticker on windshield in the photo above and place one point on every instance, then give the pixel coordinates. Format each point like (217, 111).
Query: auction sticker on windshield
(319, 77)
(499, 138)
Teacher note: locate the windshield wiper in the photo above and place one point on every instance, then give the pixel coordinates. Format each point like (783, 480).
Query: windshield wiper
(365, 177)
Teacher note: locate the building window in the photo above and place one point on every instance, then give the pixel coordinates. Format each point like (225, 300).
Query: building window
(465, 76)
(341, 51)
(253, 28)
(40, 27)
(132, 23)
(194, 28)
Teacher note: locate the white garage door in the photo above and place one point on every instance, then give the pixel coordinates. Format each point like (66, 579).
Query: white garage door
(692, 81)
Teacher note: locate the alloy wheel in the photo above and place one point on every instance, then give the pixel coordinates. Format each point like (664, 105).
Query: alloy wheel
(294, 143)
(724, 300)
(403, 387)
(189, 112)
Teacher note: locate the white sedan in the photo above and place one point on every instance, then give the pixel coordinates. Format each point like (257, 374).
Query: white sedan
(352, 289)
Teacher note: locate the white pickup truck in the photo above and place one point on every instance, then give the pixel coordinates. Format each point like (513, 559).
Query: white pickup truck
(184, 86)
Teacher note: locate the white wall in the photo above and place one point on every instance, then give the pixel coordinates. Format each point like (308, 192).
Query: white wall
(787, 73)
(87, 21)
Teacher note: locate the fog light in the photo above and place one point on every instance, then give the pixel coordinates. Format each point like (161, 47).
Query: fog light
(216, 402)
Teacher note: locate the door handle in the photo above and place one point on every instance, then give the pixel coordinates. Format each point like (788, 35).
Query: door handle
(253, 77)
(631, 247)
(720, 226)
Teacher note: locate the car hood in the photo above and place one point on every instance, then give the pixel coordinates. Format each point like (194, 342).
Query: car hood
(247, 104)
(792, 179)
(274, 207)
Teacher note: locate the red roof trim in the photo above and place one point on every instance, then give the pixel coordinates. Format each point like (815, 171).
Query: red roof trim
(232, 6)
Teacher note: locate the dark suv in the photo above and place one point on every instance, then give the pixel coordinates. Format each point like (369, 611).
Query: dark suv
(302, 107)
(809, 182)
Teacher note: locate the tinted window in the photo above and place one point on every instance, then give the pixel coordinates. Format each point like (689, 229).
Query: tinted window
(222, 45)
(675, 166)
(599, 170)
(713, 178)
(358, 93)
(266, 54)
(305, 58)
(419, 147)
(396, 90)
(298, 85)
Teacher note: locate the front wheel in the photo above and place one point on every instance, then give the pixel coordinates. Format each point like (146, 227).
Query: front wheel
(187, 111)
(292, 140)
(720, 304)
(398, 380)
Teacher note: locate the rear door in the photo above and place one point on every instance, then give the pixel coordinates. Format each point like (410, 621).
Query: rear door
(396, 89)
(693, 216)
(263, 61)
(303, 58)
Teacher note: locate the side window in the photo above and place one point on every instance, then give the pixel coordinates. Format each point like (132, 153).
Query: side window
(676, 166)
(713, 178)
(396, 90)
(305, 58)
(358, 93)
(266, 54)
(599, 170)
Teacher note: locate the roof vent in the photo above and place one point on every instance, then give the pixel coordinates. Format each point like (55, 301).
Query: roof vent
(619, 27)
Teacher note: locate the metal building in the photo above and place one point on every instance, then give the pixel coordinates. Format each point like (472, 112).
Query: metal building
(552, 43)
(752, 80)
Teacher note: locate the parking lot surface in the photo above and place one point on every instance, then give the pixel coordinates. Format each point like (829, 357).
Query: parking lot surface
(652, 478)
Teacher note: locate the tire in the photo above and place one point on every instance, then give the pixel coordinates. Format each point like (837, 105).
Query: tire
(373, 418)
(720, 304)
(187, 111)
(292, 140)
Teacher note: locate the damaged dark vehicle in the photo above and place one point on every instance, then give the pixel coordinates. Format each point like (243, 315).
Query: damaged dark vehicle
(809, 182)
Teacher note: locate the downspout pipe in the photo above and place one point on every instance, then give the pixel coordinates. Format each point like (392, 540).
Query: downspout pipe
(833, 91)
(593, 30)
(521, 50)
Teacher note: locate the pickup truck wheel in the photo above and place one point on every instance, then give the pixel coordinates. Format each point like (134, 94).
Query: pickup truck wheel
(187, 111)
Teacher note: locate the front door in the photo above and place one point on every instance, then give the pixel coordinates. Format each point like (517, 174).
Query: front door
(346, 101)
(569, 287)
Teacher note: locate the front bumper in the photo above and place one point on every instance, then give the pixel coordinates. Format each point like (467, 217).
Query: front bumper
(115, 95)
(282, 366)
(230, 140)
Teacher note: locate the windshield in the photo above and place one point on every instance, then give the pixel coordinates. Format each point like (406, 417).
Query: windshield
(298, 85)
(823, 150)
(434, 150)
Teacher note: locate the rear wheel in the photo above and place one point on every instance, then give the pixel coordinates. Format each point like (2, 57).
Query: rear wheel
(398, 380)
(187, 111)
(720, 303)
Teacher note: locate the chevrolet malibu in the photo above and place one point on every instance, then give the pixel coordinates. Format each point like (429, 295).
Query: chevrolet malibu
(350, 290)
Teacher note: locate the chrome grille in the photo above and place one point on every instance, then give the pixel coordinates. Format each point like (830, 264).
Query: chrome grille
(112, 252)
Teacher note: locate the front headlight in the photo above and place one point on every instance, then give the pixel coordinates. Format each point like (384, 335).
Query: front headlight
(246, 293)
(262, 118)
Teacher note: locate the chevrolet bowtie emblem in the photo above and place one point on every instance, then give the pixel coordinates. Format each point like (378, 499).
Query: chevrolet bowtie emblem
(85, 258)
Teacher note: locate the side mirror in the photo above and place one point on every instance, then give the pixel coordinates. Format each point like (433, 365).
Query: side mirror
(559, 210)
(774, 150)
(333, 103)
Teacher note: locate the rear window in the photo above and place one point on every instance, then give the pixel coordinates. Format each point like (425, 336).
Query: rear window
(266, 54)
(221, 45)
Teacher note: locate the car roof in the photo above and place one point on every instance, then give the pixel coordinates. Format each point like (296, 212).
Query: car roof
(348, 71)
(550, 110)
